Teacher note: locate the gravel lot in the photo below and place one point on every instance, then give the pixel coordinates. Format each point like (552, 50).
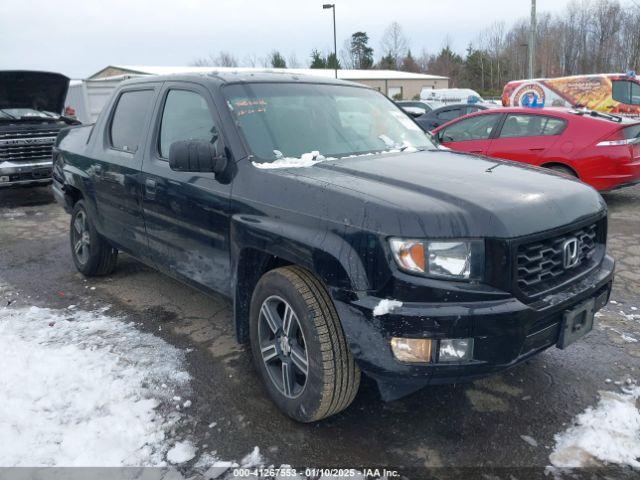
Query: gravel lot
(508, 420)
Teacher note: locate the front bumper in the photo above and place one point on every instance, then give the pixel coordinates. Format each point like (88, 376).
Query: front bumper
(22, 173)
(505, 332)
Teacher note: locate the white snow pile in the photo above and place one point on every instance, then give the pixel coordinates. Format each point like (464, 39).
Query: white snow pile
(386, 306)
(608, 433)
(212, 467)
(306, 160)
(85, 389)
(181, 452)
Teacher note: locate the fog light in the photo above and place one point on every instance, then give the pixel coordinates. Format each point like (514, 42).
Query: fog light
(412, 350)
(455, 350)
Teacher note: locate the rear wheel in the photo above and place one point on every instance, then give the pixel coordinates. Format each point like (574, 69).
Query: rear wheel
(299, 347)
(92, 254)
(566, 171)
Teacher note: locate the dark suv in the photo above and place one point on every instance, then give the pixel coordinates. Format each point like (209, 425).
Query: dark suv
(346, 240)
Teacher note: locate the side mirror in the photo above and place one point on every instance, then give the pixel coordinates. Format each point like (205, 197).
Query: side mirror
(195, 156)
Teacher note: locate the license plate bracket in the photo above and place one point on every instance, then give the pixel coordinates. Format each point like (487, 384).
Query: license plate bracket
(576, 323)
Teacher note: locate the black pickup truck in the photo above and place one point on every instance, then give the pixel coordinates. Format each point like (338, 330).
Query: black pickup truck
(31, 105)
(346, 240)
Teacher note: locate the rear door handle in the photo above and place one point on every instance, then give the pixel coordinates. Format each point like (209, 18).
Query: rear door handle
(150, 188)
(540, 149)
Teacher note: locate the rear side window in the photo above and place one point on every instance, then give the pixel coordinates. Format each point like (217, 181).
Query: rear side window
(186, 116)
(531, 126)
(474, 128)
(627, 92)
(449, 114)
(128, 119)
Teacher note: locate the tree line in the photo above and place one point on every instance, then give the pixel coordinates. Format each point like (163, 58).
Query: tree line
(589, 36)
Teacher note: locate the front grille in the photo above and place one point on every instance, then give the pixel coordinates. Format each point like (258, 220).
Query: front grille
(540, 264)
(27, 145)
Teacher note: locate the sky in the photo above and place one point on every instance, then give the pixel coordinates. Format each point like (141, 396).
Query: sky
(80, 37)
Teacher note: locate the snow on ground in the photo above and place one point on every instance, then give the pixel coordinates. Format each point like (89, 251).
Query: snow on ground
(181, 452)
(85, 389)
(609, 432)
(386, 306)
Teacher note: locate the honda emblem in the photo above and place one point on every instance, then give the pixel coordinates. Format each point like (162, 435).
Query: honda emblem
(570, 254)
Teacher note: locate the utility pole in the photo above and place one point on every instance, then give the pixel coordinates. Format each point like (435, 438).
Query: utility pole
(332, 6)
(532, 40)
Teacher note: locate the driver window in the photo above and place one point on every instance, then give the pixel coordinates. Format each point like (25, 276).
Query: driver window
(186, 116)
(475, 128)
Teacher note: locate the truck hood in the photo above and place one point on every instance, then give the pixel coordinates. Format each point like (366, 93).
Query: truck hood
(39, 90)
(459, 195)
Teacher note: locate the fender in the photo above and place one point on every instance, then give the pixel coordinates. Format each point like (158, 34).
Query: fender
(324, 253)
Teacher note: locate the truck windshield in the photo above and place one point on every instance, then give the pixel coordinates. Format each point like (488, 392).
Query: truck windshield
(291, 119)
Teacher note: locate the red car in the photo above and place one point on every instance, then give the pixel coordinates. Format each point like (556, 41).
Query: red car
(601, 150)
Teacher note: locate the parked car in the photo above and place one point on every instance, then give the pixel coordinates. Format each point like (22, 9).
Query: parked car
(31, 105)
(440, 97)
(347, 243)
(442, 115)
(599, 149)
(415, 108)
(611, 93)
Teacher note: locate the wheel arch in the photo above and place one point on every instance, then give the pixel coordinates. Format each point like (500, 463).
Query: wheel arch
(556, 163)
(260, 247)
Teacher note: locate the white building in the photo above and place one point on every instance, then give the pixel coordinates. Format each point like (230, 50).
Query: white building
(395, 84)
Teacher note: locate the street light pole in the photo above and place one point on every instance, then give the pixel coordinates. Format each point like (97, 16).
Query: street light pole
(532, 40)
(335, 43)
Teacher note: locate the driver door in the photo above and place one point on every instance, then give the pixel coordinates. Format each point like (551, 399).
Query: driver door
(186, 213)
(471, 135)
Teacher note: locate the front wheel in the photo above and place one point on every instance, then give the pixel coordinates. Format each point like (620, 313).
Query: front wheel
(299, 347)
(92, 254)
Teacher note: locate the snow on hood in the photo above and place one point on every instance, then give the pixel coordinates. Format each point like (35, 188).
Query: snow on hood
(312, 158)
(38, 90)
(306, 160)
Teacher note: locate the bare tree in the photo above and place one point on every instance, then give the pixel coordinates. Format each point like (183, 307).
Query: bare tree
(394, 43)
(222, 59)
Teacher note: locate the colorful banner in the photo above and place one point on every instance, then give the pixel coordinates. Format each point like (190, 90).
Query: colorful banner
(594, 92)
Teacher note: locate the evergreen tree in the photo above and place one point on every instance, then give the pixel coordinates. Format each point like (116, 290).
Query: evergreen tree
(277, 60)
(333, 62)
(317, 60)
(360, 51)
(388, 62)
(409, 63)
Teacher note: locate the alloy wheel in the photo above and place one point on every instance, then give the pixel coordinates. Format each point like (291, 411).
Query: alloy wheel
(282, 346)
(81, 237)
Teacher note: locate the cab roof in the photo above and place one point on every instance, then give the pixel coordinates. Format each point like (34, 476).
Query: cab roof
(215, 78)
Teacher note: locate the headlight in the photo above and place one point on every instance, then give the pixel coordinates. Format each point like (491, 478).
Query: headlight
(455, 259)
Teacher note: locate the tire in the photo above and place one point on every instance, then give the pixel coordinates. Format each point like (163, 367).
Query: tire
(567, 172)
(91, 253)
(307, 321)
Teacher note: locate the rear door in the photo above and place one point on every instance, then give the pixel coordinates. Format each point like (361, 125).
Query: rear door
(186, 213)
(472, 135)
(115, 168)
(525, 137)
